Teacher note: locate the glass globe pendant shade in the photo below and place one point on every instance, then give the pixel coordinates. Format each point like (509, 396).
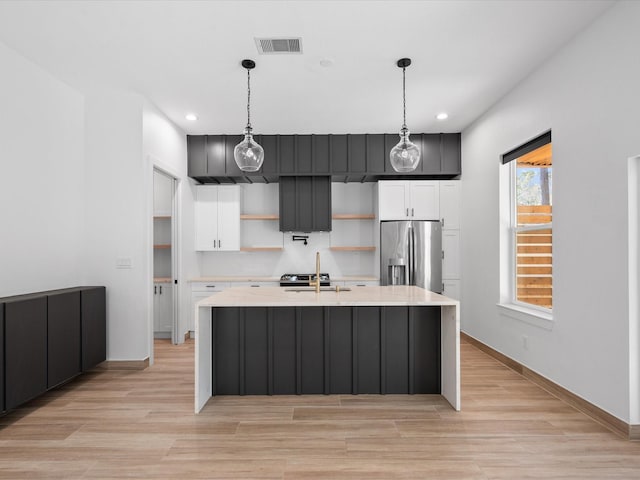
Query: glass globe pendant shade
(248, 154)
(405, 156)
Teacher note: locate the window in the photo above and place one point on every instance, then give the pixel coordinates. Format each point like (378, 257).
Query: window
(531, 223)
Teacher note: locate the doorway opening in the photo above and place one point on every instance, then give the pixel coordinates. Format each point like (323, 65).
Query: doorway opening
(165, 286)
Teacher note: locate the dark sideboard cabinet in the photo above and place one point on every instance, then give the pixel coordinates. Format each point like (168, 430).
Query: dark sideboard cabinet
(344, 157)
(48, 338)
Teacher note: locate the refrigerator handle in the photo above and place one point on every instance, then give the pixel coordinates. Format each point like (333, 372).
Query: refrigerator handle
(412, 257)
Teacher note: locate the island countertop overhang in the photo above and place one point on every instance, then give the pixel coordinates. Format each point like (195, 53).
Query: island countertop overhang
(398, 295)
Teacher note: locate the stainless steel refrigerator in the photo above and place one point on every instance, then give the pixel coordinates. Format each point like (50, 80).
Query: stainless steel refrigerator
(411, 254)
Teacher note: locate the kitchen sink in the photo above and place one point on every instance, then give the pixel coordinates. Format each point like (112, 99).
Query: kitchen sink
(322, 289)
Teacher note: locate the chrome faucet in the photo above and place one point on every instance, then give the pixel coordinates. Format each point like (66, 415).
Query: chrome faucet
(316, 282)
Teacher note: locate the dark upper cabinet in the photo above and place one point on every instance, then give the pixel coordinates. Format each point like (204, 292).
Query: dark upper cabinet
(430, 154)
(94, 326)
(305, 204)
(349, 157)
(197, 155)
(2, 407)
(63, 337)
(320, 156)
(287, 152)
(376, 157)
(25, 349)
(215, 155)
(339, 154)
(357, 154)
(270, 145)
(450, 151)
(304, 154)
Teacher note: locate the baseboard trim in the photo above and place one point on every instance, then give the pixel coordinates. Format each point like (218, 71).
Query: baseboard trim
(617, 426)
(124, 364)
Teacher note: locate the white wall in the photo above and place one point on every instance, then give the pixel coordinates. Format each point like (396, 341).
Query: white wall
(588, 95)
(117, 219)
(41, 175)
(165, 147)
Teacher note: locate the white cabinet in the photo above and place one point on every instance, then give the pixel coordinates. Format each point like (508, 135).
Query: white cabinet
(409, 200)
(162, 311)
(450, 205)
(200, 291)
(450, 254)
(217, 218)
(451, 289)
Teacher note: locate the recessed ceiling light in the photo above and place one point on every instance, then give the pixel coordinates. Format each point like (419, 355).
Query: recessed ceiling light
(191, 117)
(442, 116)
(326, 62)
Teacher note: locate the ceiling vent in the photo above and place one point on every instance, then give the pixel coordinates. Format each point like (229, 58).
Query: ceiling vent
(269, 46)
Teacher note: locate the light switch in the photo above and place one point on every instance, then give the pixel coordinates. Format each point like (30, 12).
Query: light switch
(124, 262)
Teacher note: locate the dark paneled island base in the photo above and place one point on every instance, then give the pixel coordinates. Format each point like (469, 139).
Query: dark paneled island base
(326, 350)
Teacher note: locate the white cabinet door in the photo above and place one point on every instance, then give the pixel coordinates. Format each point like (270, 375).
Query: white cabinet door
(229, 218)
(393, 200)
(451, 289)
(162, 311)
(206, 218)
(424, 200)
(450, 205)
(451, 254)
(200, 291)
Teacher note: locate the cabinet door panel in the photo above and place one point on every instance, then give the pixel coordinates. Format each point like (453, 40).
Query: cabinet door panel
(396, 359)
(357, 155)
(451, 153)
(390, 141)
(320, 154)
(230, 166)
(368, 349)
(424, 200)
(450, 204)
(430, 160)
(215, 155)
(2, 406)
(284, 350)
(339, 154)
(303, 154)
(25, 350)
(321, 206)
(287, 152)
(270, 145)
(393, 200)
(63, 337)
(340, 348)
(426, 348)
(228, 218)
(288, 204)
(311, 350)
(256, 363)
(375, 153)
(451, 255)
(206, 218)
(197, 155)
(226, 354)
(94, 326)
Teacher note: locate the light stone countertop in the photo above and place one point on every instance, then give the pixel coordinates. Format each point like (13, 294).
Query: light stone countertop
(255, 278)
(362, 296)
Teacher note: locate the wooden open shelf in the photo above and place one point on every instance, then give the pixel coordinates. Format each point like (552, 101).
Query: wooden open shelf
(245, 216)
(353, 216)
(162, 246)
(353, 249)
(261, 249)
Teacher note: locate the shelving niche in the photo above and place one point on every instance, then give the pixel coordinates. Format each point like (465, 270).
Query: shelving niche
(353, 226)
(259, 228)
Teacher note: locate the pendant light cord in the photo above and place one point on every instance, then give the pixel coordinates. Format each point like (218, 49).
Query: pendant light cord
(404, 101)
(248, 98)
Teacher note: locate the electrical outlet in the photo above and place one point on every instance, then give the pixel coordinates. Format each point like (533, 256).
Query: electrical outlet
(124, 262)
(525, 342)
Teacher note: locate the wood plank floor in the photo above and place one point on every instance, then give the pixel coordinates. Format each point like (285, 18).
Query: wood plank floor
(139, 424)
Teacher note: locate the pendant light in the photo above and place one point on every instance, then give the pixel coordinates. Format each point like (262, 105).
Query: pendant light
(248, 154)
(405, 156)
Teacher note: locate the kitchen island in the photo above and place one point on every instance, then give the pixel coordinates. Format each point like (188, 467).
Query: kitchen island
(271, 340)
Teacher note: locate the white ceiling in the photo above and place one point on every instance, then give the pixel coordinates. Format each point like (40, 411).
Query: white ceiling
(185, 56)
